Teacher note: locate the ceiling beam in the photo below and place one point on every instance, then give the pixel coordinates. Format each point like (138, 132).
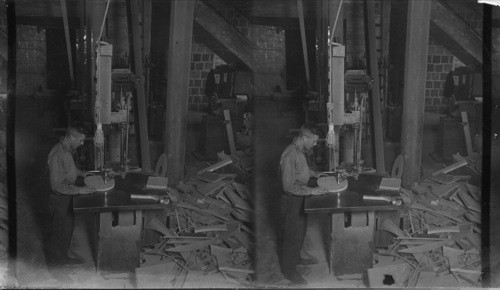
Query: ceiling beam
(222, 38)
(454, 34)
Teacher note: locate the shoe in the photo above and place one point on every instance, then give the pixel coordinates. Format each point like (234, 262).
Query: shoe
(305, 262)
(296, 278)
(72, 261)
(73, 255)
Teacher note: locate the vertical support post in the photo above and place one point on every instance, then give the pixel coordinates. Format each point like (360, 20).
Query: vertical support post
(385, 31)
(229, 129)
(179, 57)
(417, 36)
(304, 41)
(371, 50)
(337, 56)
(322, 57)
(140, 91)
(146, 45)
(68, 40)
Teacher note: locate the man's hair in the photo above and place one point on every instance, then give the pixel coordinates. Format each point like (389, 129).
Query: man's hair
(77, 128)
(308, 130)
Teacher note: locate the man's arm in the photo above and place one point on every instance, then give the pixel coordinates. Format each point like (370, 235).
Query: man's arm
(290, 184)
(314, 173)
(82, 173)
(57, 181)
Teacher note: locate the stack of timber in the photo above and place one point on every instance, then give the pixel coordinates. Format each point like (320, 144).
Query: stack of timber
(243, 160)
(440, 242)
(209, 232)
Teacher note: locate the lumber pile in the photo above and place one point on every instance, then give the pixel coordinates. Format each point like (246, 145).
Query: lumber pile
(440, 243)
(210, 231)
(242, 160)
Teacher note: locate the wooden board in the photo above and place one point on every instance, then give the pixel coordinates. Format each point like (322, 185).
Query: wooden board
(468, 140)
(475, 191)
(443, 190)
(209, 177)
(236, 200)
(425, 248)
(208, 189)
(452, 167)
(157, 182)
(390, 184)
(469, 202)
(397, 168)
(229, 127)
(216, 166)
(330, 183)
(446, 179)
(98, 183)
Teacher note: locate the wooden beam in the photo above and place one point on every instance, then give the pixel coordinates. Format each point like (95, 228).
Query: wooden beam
(385, 33)
(322, 57)
(48, 21)
(417, 36)
(179, 58)
(452, 167)
(304, 41)
(139, 73)
(454, 34)
(278, 9)
(222, 38)
(146, 42)
(68, 41)
(3, 47)
(468, 140)
(371, 49)
(229, 128)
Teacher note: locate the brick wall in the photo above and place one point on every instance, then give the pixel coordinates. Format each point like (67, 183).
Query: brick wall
(269, 53)
(355, 57)
(270, 58)
(439, 64)
(117, 34)
(31, 54)
(202, 61)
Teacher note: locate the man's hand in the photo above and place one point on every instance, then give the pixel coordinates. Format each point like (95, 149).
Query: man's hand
(318, 191)
(84, 173)
(321, 174)
(86, 190)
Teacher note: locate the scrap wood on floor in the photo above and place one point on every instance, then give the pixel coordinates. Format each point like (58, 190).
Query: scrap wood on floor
(210, 231)
(440, 240)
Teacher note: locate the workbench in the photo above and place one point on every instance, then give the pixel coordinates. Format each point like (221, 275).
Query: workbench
(354, 222)
(119, 221)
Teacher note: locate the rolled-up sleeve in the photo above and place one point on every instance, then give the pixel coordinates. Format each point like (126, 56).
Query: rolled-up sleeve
(58, 182)
(289, 178)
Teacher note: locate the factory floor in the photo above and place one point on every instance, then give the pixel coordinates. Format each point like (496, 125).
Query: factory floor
(34, 138)
(273, 123)
(33, 141)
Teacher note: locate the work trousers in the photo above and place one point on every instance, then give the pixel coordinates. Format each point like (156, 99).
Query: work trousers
(294, 230)
(63, 222)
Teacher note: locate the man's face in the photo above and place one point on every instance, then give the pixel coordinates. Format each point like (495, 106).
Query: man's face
(311, 141)
(77, 140)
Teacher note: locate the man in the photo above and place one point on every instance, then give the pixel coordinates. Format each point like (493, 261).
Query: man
(295, 174)
(63, 174)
